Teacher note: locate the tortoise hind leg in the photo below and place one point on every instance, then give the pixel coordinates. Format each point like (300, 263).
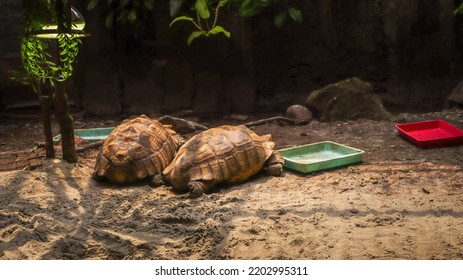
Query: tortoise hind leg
(197, 188)
(274, 165)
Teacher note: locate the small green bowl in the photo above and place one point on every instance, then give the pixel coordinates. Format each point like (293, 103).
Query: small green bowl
(320, 156)
(91, 134)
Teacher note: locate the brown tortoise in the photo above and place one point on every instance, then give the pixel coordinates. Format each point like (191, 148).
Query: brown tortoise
(137, 148)
(225, 154)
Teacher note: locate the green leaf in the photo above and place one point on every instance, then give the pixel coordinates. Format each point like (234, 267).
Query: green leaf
(123, 15)
(203, 10)
(194, 35)
(219, 29)
(123, 3)
(246, 4)
(92, 4)
(295, 14)
(222, 3)
(149, 4)
(253, 8)
(280, 19)
(109, 20)
(132, 16)
(174, 7)
(458, 10)
(180, 19)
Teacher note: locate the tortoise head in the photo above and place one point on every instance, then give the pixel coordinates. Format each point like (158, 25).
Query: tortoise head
(120, 158)
(121, 169)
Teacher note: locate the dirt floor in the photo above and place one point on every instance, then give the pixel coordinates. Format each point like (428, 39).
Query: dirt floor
(401, 202)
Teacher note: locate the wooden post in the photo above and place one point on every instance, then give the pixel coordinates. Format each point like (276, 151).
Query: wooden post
(66, 123)
(46, 121)
(63, 116)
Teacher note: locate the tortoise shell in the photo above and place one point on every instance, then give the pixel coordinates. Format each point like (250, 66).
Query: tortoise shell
(137, 148)
(225, 154)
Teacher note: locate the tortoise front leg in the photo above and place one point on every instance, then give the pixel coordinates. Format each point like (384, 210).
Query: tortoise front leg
(274, 165)
(157, 180)
(97, 177)
(197, 188)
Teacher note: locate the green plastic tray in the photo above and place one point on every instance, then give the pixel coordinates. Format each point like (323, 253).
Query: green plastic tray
(91, 134)
(320, 156)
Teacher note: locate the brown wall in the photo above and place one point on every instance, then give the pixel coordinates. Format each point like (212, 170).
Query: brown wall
(405, 48)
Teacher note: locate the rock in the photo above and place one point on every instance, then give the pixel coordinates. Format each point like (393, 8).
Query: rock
(456, 97)
(404, 117)
(239, 117)
(350, 99)
(182, 126)
(299, 113)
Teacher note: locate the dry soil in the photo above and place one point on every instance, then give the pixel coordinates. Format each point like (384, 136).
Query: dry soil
(401, 202)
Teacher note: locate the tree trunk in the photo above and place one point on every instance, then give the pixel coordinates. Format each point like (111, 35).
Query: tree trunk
(329, 29)
(46, 121)
(66, 123)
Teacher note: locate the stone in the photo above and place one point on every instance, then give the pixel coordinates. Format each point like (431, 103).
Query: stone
(350, 99)
(299, 113)
(456, 97)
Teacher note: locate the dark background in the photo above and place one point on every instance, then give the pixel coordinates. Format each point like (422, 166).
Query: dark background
(409, 50)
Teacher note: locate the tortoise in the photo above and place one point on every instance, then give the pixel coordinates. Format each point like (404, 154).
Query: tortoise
(224, 154)
(137, 148)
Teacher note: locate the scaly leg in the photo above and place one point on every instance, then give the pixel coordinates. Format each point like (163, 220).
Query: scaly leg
(274, 165)
(197, 188)
(157, 180)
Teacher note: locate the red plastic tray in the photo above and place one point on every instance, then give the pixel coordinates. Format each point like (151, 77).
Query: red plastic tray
(432, 133)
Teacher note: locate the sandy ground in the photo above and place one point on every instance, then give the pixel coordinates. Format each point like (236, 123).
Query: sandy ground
(401, 202)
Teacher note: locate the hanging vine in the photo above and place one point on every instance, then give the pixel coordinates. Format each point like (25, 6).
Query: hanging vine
(36, 59)
(51, 19)
(69, 48)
